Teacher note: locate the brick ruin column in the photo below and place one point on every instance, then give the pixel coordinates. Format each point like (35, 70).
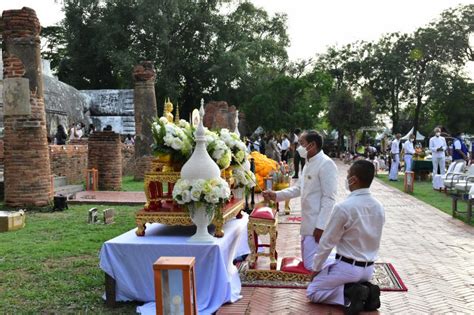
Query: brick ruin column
(27, 169)
(145, 110)
(105, 155)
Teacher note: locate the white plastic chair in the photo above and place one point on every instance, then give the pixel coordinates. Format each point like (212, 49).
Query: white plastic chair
(452, 178)
(466, 181)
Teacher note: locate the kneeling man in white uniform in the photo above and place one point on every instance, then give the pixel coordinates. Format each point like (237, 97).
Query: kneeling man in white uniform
(355, 229)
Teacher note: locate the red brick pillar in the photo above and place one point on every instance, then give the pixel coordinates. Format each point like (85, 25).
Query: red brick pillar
(27, 169)
(145, 110)
(105, 155)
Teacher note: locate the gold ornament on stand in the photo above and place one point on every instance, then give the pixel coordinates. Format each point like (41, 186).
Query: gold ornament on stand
(176, 118)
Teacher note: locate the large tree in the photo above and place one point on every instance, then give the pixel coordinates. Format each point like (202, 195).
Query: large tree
(348, 113)
(198, 51)
(438, 49)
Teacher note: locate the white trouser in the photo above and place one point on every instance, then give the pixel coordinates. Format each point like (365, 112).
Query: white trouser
(328, 286)
(394, 169)
(408, 160)
(441, 161)
(309, 248)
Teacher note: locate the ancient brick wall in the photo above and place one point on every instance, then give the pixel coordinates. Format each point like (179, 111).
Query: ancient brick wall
(128, 160)
(28, 180)
(69, 161)
(145, 109)
(105, 155)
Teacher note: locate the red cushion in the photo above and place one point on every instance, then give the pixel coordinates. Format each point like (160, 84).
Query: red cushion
(294, 265)
(263, 213)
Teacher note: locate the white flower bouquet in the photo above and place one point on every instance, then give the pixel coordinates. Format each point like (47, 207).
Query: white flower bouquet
(218, 150)
(237, 146)
(243, 178)
(170, 138)
(212, 192)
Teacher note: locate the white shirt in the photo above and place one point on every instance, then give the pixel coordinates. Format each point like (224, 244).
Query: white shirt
(296, 139)
(354, 228)
(435, 143)
(395, 149)
(317, 187)
(285, 144)
(408, 147)
(457, 144)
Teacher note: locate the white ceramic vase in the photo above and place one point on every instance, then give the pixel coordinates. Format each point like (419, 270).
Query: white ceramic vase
(239, 193)
(201, 214)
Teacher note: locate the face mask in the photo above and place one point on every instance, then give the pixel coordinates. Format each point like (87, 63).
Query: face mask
(411, 140)
(462, 137)
(438, 134)
(302, 151)
(347, 184)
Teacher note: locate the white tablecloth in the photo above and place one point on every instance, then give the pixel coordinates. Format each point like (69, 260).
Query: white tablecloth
(129, 260)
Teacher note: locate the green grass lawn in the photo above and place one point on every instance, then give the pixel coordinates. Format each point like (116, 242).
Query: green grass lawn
(423, 190)
(129, 184)
(52, 265)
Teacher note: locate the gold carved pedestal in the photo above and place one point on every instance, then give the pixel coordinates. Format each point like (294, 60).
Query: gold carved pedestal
(258, 227)
(181, 217)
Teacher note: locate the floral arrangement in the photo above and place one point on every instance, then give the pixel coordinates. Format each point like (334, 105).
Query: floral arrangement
(237, 147)
(263, 167)
(170, 138)
(218, 150)
(243, 178)
(212, 191)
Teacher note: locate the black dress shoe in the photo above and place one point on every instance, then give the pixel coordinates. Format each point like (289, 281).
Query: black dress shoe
(373, 301)
(357, 294)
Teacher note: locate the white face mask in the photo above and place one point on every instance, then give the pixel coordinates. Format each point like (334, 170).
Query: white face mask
(302, 151)
(411, 140)
(347, 184)
(462, 137)
(438, 134)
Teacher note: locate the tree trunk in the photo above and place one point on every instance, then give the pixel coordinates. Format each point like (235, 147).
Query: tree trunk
(419, 96)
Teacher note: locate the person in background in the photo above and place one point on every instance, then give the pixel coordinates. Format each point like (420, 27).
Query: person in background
(298, 159)
(80, 130)
(60, 137)
(460, 151)
(395, 158)
(73, 132)
(129, 140)
(355, 229)
(285, 147)
(409, 151)
(262, 144)
(91, 130)
(438, 149)
(271, 149)
(317, 188)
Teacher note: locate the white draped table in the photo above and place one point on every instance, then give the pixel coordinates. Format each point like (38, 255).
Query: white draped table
(129, 259)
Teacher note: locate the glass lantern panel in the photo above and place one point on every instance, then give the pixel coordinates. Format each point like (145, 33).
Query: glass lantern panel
(172, 288)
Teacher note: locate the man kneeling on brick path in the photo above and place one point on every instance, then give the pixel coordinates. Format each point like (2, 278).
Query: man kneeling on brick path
(355, 229)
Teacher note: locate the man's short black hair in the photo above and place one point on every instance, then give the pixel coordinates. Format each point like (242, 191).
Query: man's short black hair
(364, 171)
(314, 136)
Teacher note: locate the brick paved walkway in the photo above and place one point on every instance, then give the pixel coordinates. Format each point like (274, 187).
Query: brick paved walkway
(433, 253)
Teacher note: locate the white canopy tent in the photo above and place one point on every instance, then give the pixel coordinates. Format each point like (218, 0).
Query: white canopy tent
(419, 136)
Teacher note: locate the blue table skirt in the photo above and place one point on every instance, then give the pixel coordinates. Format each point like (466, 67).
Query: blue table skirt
(129, 260)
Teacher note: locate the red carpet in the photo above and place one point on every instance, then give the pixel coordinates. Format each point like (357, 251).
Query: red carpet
(385, 276)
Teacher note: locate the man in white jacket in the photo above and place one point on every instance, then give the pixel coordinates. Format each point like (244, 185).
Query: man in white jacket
(317, 187)
(438, 149)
